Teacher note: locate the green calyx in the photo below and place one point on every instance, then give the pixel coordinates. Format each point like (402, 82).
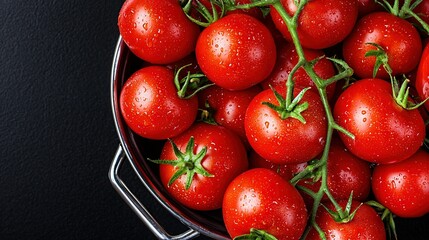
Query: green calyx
(191, 84)
(405, 11)
(287, 109)
(381, 59)
(256, 234)
(343, 215)
(401, 95)
(187, 163)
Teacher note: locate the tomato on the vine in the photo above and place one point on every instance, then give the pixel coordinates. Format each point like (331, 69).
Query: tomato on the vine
(151, 107)
(384, 132)
(394, 36)
(261, 199)
(215, 151)
(288, 140)
(157, 31)
(365, 224)
(403, 187)
(321, 24)
(347, 175)
(236, 52)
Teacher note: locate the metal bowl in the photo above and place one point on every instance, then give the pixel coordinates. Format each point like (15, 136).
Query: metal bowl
(136, 149)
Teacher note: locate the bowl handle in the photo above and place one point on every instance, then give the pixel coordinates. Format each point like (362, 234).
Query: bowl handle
(137, 206)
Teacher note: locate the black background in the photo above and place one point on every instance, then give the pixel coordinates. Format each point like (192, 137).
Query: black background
(57, 136)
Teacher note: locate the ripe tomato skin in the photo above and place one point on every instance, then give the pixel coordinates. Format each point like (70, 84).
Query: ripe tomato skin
(322, 23)
(384, 131)
(422, 78)
(287, 58)
(365, 225)
(400, 40)
(157, 31)
(346, 173)
(236, 52)
(229, 106)
(403, 187)
(225, 159)
(151, 107)
(261, 199)
(285, 141)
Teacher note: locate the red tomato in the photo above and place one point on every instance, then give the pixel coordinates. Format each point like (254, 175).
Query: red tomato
(157, 31)
(287, 58)
(366, 224)
(236, 52)
(287, 171)
(422, 78)
(285, 141)
(261, 199)
(403, 187)
(422, 10)
(151, 107)
(224, 160)
(322, 23)
(399, 39)
(384, 131)
(229, 107)
(346, 173)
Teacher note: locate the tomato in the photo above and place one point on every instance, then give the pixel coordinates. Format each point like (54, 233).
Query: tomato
(236, 52)
(346, 174)
(151, 107)
(366, 224)
(384, 131)
(287, 171)
(321, 24)
(399, 39)
(157, 31)
(287, 58)
(229, 107)
(285, 141)
(224, 160)
(261, 199)
(422, 10)
(422, 78)
(403, 187)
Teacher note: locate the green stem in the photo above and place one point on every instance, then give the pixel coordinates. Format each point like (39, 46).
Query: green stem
(292, 23)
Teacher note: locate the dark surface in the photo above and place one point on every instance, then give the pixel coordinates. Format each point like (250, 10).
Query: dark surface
(57, 135)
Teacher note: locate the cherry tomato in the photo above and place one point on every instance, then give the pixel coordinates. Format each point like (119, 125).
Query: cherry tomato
(224, 160)
(322, 23)
(157, 31)
(287, 58)
(229, 107)
(151, 107)
(384, 131)
(346, 174)
(285, 141)
(367, 6)
(366, 224)
(236, 52)
(398, 38)
(403, 187)
(422, 78)
(261, 199)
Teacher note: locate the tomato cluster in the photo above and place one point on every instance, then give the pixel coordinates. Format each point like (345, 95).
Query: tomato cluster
(295, 119)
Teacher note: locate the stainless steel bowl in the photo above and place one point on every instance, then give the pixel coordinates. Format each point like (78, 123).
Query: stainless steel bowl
(134, 150)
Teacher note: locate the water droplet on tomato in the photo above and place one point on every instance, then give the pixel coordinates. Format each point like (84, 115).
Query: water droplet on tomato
(267, 124)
